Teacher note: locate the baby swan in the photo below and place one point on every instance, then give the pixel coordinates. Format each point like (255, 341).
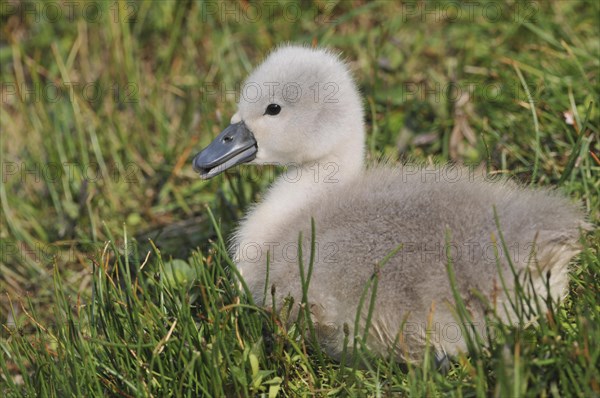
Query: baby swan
(301, 108)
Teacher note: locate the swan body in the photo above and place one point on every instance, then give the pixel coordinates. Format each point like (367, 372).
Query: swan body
(403, 224)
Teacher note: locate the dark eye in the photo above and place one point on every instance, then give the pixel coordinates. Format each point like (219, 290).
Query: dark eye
(272, 109)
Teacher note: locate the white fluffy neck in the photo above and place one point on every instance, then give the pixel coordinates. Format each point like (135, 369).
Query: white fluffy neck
(300, 184)
(295, 188)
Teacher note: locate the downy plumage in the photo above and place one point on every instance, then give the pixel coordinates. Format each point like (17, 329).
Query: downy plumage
(301, 108)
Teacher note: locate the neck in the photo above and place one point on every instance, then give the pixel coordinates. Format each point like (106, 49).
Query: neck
(299, 185)
(294, 189)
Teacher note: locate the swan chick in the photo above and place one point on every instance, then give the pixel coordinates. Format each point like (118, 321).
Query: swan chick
(301, 108)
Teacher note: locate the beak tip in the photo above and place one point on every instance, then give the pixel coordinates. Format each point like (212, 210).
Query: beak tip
(203, 172)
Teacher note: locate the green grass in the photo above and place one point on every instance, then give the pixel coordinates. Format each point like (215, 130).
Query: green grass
(89, 307)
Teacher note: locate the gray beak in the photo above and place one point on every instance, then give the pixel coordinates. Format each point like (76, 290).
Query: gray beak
(236, 144)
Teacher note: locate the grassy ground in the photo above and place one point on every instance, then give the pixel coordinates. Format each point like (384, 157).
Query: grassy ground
(103, 106)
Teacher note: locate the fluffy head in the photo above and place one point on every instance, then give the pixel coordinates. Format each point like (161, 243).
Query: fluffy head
(320, 116)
